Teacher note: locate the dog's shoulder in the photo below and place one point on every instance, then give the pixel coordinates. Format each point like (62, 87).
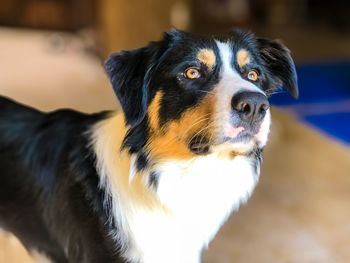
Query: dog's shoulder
(45, 143)
(47, 166)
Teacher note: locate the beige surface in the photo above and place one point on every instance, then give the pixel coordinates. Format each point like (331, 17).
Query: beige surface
(51, 70)
(11, 250)
(301, 209)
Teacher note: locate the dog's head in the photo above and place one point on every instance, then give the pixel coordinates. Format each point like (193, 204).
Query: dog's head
(190, 95)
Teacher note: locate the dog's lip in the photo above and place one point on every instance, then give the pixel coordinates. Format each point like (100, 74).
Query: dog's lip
(239, 138)
(246, 134)
(240, 144)
(233, 132)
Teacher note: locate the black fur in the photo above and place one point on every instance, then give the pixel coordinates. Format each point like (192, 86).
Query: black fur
(48, 189)
(153, 180)
(279, 65)
(141, 161)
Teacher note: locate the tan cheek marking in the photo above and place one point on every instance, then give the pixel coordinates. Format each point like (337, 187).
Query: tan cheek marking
(153, 110)
(207, 57)
(243, 58)
(171, 141)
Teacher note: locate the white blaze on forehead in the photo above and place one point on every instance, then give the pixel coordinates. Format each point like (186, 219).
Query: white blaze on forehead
(231, 80)
(226, 54)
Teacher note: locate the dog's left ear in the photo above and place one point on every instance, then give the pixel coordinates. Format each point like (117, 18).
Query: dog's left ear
(130, 74)
(280, 64)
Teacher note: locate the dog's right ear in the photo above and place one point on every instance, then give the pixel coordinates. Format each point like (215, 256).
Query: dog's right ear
(130, 73)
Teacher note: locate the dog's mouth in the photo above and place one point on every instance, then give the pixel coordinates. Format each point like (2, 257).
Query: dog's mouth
(200, 144)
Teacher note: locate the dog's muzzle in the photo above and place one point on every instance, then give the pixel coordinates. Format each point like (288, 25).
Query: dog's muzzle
(249, 112)
(244, 127)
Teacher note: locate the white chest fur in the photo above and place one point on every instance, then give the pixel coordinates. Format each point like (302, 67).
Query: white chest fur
(200, 195)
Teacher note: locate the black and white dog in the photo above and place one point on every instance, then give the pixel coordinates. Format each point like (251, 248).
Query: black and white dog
(155, 183)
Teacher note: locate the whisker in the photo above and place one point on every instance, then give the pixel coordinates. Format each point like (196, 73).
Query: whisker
(268, 90)
(202, 130)
(208, 92)
(199, 120)
(273, 93)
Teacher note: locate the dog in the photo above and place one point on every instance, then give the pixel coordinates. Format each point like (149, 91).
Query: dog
(154, 182)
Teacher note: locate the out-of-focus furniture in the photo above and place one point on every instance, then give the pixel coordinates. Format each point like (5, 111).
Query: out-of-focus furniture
(48, 14)
(131, 24)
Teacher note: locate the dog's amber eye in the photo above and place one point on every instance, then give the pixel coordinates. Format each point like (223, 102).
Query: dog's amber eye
(253, 75)
(192, 73)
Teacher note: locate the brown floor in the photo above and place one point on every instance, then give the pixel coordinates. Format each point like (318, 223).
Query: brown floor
(300, 211)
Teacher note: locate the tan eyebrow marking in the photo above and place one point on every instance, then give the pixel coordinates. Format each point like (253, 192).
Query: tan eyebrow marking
(243, 57)
(207, 57)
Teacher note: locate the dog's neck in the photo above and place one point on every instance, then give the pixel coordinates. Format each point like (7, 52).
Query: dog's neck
(174, 222)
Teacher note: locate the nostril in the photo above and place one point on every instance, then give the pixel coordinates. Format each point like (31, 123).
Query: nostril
(246, 108)
(263, 108)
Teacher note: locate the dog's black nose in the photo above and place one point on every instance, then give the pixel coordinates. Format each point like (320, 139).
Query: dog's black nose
(251, 106)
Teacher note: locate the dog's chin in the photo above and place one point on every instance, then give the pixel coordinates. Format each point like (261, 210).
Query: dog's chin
(241, 145)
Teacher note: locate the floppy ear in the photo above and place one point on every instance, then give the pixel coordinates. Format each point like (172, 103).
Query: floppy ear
(280, 65)
(130, 72)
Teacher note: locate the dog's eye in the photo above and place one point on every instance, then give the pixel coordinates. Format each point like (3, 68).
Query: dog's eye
(253, 75)
(192, 73)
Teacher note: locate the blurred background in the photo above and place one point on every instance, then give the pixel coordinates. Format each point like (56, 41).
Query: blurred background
(51, 54)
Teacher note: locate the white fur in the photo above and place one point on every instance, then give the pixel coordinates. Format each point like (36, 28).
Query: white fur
(198, 195)
(113, 166)
(263, 134)
(39, 257)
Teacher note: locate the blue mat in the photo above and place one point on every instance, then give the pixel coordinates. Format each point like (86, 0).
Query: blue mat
(324, 98)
